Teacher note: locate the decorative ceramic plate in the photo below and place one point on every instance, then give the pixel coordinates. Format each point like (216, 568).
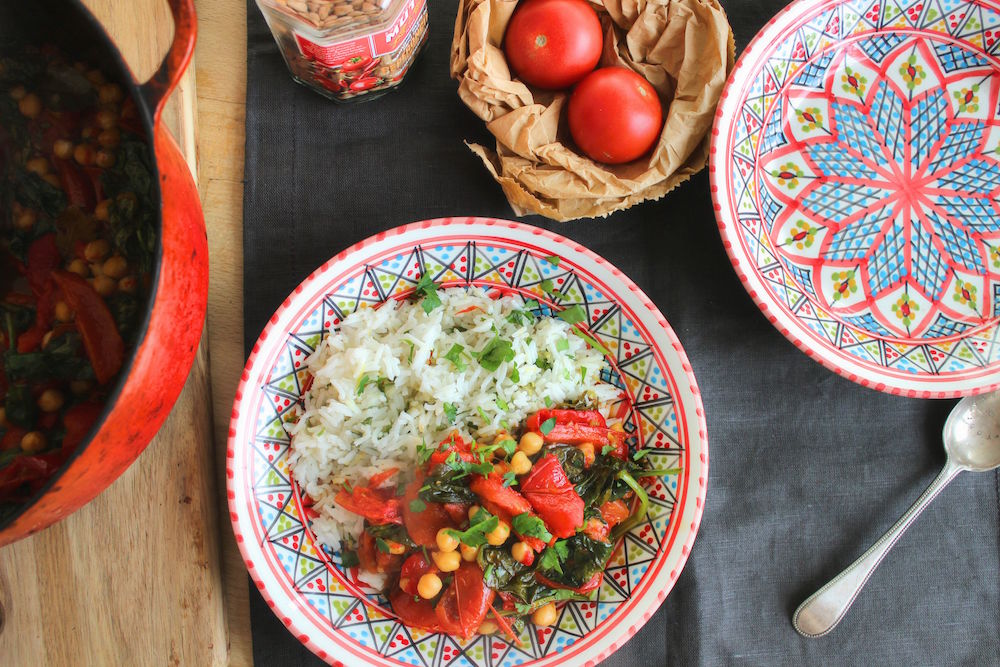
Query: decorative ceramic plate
(856, 174)
(326, 606)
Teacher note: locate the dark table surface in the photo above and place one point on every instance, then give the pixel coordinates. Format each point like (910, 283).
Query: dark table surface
(807, 469)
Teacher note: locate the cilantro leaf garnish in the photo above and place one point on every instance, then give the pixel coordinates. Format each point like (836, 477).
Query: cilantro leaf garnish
(495, 353)
(502, 404)
(455, 357)
(546, 426)
(547, 287)
(553, 557)
(427, 288)
(509, 478)
(515, 376)
(640, 454)
(482, 522)
(382, 545)
(451, 412)
(562, 344)
(529, 525)
(417, 505)
(593, 342)
(572, 315)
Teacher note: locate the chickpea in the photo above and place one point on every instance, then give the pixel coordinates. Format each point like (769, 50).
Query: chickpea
(33, 441)
(446, 541)
(498, 535)
(115, 267)
(468, 553)
(103, 210)
(80, 387)
(37, 165)
(110, 93)
(473, 510)
(26, 219)
(128, 285)
(62, 311)
(51, 400)
(63, 148)
(506, 442)
(30, 105)
(83, 154)
(52, 180)
(46, 339)
(96, 250)
(97, 268)
(79, 267)
(106, 286)
(395, 548)
(522, 553)
(545, 615)
(105, 159)
(588, 452)
(446, 561)
(17, 93)
(530, 443)
(107, 119)
(487, 628)
(109, 138)
(429, 585)
(519, 463)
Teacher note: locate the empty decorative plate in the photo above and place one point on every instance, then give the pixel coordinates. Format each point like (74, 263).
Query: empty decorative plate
(856, 173)
(325, 605)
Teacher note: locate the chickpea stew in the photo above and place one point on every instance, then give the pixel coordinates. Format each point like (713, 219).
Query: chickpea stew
(77, 252)
(491, 535)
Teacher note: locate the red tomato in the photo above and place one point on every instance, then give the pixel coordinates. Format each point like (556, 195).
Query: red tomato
(614, 115)
(553, 43)
(414, 613)
(464, 604)
(415, 567)
(423, 526)
(356, 63)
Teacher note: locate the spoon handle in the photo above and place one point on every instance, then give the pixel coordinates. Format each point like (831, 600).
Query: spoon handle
(825, 608)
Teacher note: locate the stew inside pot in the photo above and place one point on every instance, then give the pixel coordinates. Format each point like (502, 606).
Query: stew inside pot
(77, 253)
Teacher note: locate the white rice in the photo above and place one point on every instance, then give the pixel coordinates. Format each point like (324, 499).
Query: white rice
(347, 436)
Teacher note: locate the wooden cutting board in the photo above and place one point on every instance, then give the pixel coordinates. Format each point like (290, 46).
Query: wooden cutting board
(133, 578)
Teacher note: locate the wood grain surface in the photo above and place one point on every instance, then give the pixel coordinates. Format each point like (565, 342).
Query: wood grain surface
(135, 577)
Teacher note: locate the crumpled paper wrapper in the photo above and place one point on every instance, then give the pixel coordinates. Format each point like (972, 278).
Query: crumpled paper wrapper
(684, 48)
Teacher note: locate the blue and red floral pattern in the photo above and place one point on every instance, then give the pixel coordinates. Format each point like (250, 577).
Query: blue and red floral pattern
(857, 173)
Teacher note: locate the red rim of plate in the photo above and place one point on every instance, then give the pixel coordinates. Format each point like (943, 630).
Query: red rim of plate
(816, 351)
(616, 641)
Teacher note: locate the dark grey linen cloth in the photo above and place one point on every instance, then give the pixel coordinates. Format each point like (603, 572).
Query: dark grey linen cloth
(806, 468)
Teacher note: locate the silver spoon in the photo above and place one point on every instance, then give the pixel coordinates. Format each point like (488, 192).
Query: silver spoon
(971, 442)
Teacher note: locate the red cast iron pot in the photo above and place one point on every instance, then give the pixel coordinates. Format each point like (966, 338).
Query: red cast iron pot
(151, 381)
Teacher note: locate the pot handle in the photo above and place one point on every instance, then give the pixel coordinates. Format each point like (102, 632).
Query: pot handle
(165, 79)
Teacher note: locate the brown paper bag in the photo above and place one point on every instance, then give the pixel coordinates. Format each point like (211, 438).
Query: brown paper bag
(684, 48)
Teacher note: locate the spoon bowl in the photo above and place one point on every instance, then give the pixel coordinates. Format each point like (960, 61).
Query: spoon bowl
(972, 433)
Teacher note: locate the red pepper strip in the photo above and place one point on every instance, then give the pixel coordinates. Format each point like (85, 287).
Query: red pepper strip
(590, 585)
(505, 626)
(377, 480)
(43, 257)
(101, 339)
(31, 339)
(78, 187)
(552, 496)
(455, 443)
(563, 417)
(78, 420)
(614, 512)
(491, 489)
(596, 529)
(31, 470)
(18, 299)
(370, 504)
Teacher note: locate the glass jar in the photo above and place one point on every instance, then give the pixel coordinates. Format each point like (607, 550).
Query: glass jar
(348, 50)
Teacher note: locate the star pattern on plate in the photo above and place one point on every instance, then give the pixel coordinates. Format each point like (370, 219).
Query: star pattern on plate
(334, 593)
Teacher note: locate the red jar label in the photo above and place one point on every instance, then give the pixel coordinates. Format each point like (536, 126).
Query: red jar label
(374, 45)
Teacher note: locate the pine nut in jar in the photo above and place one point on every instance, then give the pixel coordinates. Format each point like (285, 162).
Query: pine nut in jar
(348, 50)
